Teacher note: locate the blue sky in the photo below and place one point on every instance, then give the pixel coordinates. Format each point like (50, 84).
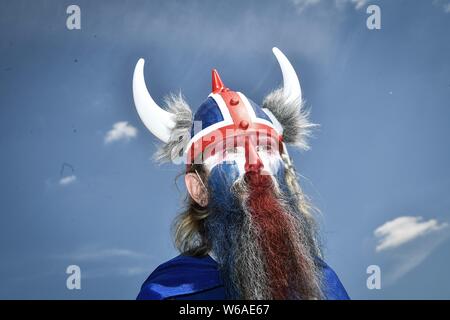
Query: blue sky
(78, 184)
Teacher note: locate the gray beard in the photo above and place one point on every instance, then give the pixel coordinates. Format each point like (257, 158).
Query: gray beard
(237, 242)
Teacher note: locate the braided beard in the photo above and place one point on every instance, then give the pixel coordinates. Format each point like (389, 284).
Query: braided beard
(264, 246)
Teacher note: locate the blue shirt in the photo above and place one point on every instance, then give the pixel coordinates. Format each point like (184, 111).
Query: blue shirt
(198, 278)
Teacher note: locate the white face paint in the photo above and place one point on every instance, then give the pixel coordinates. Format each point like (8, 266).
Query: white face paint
(267, 153)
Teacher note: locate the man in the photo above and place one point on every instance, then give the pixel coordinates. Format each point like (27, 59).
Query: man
(248, 231)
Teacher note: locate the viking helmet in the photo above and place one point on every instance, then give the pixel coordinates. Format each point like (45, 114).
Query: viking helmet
(224, 113)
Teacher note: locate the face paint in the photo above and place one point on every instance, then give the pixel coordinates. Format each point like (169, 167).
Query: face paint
(243, 152)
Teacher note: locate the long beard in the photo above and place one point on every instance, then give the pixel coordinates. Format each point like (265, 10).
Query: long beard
(264, 245)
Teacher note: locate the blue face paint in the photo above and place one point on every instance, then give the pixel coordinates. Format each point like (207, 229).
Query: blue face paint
(280, 177)
(220, 181)
(223, 175)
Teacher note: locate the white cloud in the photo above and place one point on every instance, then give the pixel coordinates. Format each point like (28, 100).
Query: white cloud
(447, 8)
(444, 4)
(359, 3)
(97, 262)
(304, 4)
(406, 258)
(406, 242)
(120, 131)
(401, 230)
(99, 254)
(115, 271)
(64, 181)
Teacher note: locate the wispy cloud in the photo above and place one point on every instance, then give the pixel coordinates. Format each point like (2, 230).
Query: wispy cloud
(120, 131)
(301, 5)
(404, 229)
(444, 4)
(357, 4)
(64, 181)
(97, 262)
(99, 254)
(115, 271)
(405, 242)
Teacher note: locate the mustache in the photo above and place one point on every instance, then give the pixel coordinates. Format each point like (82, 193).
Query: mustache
(262, 243)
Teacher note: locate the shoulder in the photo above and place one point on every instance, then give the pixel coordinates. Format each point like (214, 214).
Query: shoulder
(180, 276)
(333, 287)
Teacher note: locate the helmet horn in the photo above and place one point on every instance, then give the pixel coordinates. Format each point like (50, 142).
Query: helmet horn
(157, 120)
(291, 85)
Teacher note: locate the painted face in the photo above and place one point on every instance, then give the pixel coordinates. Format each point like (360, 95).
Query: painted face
(255, 152)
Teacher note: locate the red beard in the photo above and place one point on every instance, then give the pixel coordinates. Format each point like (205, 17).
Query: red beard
(288, 267)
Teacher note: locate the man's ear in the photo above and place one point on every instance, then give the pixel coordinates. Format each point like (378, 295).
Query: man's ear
(196, 189)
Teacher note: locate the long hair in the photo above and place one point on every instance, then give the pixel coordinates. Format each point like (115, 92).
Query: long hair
(188, 227)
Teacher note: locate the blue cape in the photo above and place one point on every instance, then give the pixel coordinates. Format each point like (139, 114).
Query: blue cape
(198, 278)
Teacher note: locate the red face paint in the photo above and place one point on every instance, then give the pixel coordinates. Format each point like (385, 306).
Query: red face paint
(253, 162)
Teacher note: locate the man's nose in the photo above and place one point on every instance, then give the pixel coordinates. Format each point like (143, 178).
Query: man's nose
(253, 162)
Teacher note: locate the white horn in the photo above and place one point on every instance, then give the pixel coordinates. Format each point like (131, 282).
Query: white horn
(291, 85)
(157, 120)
